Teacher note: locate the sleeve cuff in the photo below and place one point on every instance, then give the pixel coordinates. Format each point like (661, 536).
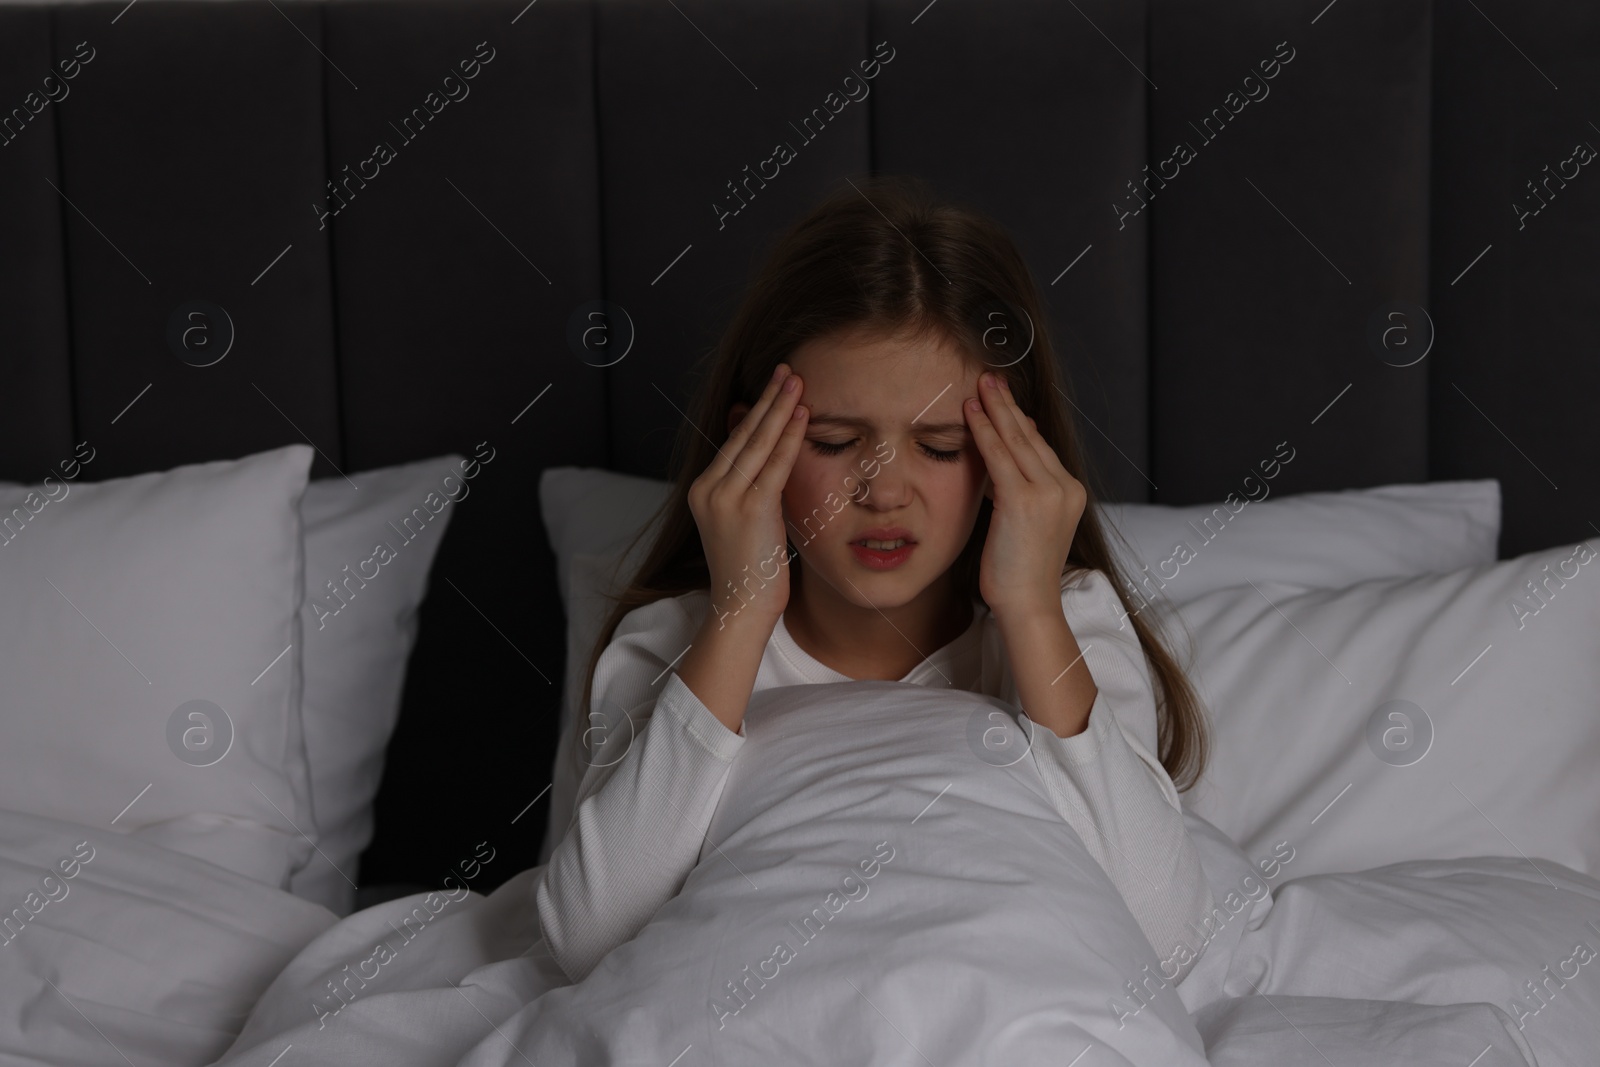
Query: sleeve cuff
(1086, 745)
(1105, 741)
(685, 711)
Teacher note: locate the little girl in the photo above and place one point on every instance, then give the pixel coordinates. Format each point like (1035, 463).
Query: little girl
(898, 497)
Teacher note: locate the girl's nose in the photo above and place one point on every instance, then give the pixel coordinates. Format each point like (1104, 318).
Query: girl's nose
(890, 490)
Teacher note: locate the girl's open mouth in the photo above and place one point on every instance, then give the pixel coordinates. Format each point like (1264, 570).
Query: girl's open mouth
(882, 555)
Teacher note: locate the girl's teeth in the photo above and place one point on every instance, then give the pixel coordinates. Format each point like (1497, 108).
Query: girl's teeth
(886, 546)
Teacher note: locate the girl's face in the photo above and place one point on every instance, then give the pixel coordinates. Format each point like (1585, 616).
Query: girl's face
(887, 456)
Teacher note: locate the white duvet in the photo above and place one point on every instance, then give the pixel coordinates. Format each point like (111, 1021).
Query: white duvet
(114, 950)
(864, 901)
(878, 894)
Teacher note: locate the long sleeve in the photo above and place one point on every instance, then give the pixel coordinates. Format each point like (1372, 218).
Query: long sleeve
(642, 814)
(1111, 788)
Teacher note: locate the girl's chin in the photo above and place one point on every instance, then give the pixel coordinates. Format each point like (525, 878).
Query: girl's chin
(882, 588)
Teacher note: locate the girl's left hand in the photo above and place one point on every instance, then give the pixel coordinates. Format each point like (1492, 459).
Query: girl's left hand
(1037, 505)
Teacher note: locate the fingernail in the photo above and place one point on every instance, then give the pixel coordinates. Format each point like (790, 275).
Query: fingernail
(777, 372)
(988, 379)
(973, 404)
(790, 383)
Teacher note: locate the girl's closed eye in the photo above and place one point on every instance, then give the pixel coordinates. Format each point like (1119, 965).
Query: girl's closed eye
(833, 448)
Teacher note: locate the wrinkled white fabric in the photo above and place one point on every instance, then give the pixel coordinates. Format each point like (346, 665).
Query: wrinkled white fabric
(878, 893)
(646, 798)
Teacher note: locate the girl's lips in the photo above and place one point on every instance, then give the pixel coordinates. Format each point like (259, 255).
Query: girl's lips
(885, 533)
(881, 559)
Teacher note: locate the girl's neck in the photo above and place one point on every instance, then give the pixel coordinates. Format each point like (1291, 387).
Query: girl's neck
(866, 643)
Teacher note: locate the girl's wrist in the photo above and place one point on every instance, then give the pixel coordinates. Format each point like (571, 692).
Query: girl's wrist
(1026, 613)
(735, 631)
(747, 604)
(721, 663)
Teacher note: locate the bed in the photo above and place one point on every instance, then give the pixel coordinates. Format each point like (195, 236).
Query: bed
(307, 512)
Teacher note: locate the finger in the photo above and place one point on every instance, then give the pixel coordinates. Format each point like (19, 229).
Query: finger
(1052, 461)
(752, 457)
(722, 462)
(727, 456)
(775, 473)
(1003, 471)
(1007, 419)
(1047, 455)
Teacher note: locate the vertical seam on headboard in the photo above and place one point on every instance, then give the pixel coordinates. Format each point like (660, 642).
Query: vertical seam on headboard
(607, 382)
(1151, 428)
(1427, 245)
(66, 268)
(872, 107)
(333, 272)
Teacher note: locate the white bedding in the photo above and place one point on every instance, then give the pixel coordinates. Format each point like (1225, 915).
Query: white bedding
(978, 931)
(116, 950)
(870, 879)
(474, 993)
(1518, 934)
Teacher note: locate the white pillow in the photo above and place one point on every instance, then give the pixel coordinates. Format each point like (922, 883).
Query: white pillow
(1315, 539)
(368, 554)
(869, 883)
(1301, 686)
(596, 512)
(589, 516)
(1485, 930)
(587, 607)
(125, 601)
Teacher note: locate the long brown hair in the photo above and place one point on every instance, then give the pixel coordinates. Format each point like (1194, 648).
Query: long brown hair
(889, 254)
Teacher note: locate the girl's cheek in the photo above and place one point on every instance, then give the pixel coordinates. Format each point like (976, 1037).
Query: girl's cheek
(801, 494)
(974, 474)
(798, 487)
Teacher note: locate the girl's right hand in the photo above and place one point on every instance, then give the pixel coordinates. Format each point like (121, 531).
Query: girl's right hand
(736, 503)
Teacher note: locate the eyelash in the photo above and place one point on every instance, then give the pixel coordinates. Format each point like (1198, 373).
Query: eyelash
(827, 448)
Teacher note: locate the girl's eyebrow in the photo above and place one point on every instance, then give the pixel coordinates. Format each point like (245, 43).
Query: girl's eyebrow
(862, 424)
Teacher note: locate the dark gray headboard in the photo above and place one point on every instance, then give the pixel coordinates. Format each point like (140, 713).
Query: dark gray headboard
(616, 150)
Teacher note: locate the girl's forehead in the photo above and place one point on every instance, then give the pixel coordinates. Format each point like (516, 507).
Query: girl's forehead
(923, 405)
(933, 422)
(880, 366)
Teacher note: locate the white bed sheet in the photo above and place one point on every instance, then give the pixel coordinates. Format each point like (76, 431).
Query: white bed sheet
(468, 997)
(114, 950)
(116, 943)
(145, 956)
(476, 988)
(1517, 934)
